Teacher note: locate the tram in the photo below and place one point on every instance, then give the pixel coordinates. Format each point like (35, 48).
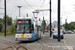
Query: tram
(27, 29)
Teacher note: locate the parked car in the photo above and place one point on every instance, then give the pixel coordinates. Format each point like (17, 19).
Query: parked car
(64, 32)
(74, 31)
(45, 30)
(70, 32)
(55, 34)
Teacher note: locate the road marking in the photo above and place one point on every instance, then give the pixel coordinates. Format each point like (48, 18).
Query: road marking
(67, 45)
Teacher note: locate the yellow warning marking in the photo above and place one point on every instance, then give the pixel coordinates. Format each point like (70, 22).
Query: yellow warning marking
(22, 36)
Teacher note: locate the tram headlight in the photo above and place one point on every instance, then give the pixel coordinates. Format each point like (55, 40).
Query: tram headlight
(17, 35)
(28, 35)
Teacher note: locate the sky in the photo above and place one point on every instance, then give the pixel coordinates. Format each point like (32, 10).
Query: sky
(67, 10)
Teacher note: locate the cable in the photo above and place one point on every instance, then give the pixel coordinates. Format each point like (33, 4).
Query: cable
(1, 5)
(43, 13)
(29, 4)
(42, 4)
(6, 2)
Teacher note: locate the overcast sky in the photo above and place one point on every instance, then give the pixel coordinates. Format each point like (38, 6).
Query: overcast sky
(67, 9)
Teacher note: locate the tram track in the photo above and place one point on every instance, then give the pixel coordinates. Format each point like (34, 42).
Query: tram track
(42, 42)
(13, 45)
(49, 44)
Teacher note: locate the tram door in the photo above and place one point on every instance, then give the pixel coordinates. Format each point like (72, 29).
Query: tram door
(39, 31)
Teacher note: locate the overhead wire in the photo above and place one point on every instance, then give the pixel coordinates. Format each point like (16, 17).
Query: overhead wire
(7, 1)
(29, 5)
(32, 7)
(39, 8)
(42, 4)
(3, 5)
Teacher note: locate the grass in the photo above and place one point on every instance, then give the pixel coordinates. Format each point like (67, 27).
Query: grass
(9, 34)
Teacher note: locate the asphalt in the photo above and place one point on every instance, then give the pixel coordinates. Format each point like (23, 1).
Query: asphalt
(45, 43)
(70, 38)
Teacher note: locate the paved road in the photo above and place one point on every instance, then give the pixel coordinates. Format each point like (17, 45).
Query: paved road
(45, 43)
(70, 38)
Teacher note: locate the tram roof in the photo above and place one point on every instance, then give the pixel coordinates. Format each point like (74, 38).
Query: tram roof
(24, 18)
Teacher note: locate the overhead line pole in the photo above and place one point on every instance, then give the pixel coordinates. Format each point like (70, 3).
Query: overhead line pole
(43, 25)
(5, 16)
(58, 20)
(50, 18)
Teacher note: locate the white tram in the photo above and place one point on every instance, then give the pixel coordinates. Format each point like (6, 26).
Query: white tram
(27, 29)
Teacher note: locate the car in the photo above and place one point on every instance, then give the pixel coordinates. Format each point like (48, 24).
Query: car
(55, 34)
(65, 32)
(45, 30)
(70, 32)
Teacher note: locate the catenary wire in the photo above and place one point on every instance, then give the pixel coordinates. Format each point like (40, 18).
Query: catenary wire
(42, 4)
(29, 5)
(3, 5)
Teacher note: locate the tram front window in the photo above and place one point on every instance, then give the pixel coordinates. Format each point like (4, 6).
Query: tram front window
(20, 28)
(27, 29)
(23, 28)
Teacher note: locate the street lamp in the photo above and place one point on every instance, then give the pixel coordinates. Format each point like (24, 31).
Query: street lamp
(19, 9)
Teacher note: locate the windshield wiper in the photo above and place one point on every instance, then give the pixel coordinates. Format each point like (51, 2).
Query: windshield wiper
(27, 29)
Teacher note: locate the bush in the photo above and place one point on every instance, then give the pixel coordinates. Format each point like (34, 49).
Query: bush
(1, 26)
(3, 30)
(12, 28)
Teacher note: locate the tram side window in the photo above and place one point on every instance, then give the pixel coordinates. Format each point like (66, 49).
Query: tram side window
(32, 28)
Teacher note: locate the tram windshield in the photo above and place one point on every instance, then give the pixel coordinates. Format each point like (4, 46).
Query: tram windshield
(23, 26)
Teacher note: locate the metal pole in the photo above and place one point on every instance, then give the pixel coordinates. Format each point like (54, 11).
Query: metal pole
(19, 12)
(66, 24)
(50, 18)
(5, 16)
(43, 25)
(27, 14)
(58, 20)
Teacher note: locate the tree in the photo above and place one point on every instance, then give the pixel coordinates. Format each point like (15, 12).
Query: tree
(8, 20)
(1, 24)
(12, 28)
(44, 23)
(70, 26)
